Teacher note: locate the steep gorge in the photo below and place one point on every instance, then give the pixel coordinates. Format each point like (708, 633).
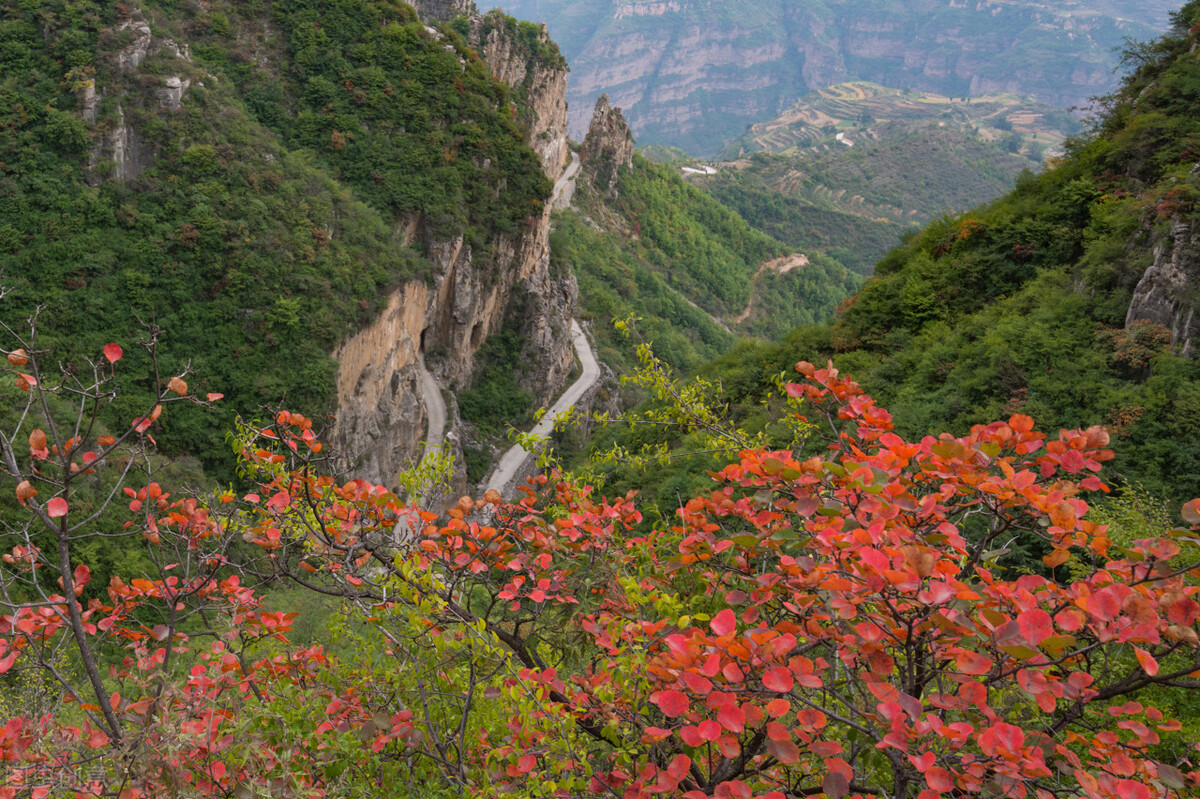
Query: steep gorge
(381, 419)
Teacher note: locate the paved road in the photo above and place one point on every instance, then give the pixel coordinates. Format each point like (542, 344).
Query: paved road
(507, 470)
(435, 406)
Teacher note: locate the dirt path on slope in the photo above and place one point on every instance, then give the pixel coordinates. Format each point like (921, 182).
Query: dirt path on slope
(781, 265)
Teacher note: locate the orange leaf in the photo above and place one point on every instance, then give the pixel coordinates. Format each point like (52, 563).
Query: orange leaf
(18, 357)
(178, 385)
(1147, 661)
(25, 490)
(1056, 558)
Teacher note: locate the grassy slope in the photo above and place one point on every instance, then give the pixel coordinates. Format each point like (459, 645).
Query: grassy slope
(669, 253)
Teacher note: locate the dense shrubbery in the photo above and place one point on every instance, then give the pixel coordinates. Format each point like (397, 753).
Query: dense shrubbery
(830, 626)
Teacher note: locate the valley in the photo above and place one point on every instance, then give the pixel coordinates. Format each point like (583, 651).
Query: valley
(881, 477)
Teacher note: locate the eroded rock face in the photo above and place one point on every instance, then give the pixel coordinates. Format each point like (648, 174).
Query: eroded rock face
(1166, 293)
(608, 146)
(123, 146)
(381, 419)
(542, 82)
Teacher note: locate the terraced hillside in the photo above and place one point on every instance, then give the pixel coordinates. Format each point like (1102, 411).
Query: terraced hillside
(843, 115)
(849, 167)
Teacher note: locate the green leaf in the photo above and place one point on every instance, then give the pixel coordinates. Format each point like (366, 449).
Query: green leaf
(1020, 652)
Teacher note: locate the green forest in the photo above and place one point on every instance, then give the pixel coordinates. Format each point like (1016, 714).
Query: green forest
(263, 229)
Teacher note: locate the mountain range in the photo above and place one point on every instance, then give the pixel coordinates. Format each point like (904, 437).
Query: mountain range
(695, 73)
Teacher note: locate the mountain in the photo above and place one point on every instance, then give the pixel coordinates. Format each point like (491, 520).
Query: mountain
(694, 73)
(1071, 299)
(642, 241)
(307, 202)
(847, 168)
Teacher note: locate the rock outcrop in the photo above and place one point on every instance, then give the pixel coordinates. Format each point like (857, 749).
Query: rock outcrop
(608, 146)
(538, 73)
(1166, 292)
(122, 152)
(381, 419)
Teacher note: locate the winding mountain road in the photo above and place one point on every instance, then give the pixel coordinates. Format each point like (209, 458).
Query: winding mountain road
(507, 469)
(435, 406)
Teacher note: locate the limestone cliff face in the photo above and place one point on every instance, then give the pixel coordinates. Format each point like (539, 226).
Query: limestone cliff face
(608, 145)
(540, 81)
(1166, 292)
(382, 419)
(694, 72)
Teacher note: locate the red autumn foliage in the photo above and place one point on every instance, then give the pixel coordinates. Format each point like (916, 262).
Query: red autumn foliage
(828, 623)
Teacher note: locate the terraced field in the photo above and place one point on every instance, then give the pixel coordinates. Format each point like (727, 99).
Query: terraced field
(861, 110)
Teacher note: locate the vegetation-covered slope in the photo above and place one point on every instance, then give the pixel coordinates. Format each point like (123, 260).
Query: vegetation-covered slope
(1023, 305)
(849, 166)
(692, 269)
(256, 218)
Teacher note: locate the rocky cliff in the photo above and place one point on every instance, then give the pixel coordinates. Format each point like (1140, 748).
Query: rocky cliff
(694, 72)
(608, 146)
(524, 57)
(381, 418)
(120, 146)
(1166, 293)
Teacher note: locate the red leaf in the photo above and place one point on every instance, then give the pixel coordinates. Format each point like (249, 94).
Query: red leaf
(785, 752)
(732, 718)
(214, 396)
(777, 707)
(778, 679)
(690, 735)
(112, 352)
(709, 730)
(671, 703)
(1147, 661)
(724, 623)
(1191, 512)
(939, 779)
(56, 507)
